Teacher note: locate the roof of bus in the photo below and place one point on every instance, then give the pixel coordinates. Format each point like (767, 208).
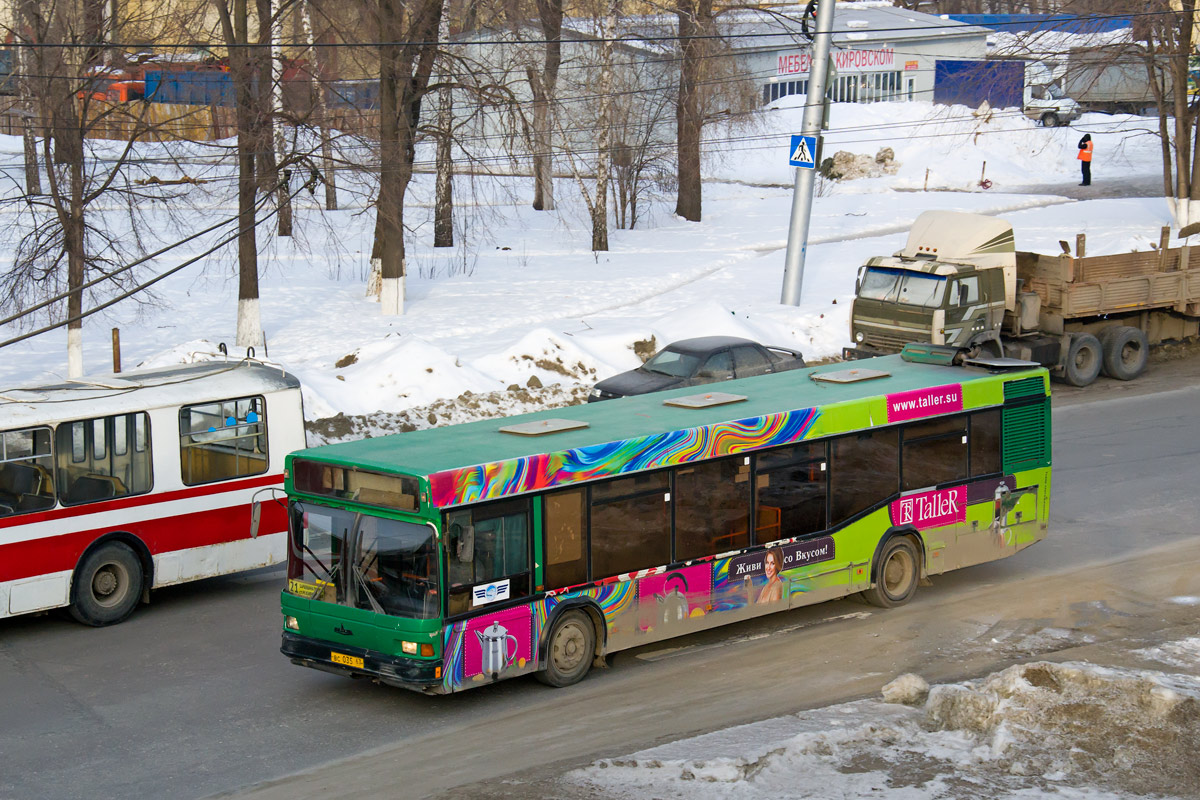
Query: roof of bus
(434, 450)
(138, 390)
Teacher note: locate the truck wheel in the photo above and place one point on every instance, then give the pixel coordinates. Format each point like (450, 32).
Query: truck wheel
(570, 650)
(1083, 360)
(107, 586)
(1126, 351)
(1050, 120)
(896, 574)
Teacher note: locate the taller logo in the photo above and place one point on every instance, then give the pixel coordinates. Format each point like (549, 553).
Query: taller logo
(931, 509)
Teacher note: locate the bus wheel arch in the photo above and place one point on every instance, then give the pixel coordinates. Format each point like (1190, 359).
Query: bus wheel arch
(582, 625)
(110, 578)
(896, 568)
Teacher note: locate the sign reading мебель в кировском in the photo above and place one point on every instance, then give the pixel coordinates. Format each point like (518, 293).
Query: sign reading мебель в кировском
(843, 61)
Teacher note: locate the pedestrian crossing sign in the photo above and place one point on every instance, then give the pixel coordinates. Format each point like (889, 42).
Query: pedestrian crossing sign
(803, 152)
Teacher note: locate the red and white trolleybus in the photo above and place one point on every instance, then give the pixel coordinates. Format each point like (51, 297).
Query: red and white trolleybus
(113, 485)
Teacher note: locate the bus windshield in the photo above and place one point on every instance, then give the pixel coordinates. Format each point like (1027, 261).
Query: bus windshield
(361, 560)
(902, 286)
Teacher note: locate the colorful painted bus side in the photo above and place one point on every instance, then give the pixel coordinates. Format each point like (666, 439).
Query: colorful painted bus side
(113, 485)
(445, 559)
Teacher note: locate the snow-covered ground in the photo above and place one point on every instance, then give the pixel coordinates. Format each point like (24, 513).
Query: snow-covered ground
(1036, 730)
(522, 296)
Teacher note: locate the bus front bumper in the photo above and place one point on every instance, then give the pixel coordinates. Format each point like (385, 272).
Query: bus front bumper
(405, 673)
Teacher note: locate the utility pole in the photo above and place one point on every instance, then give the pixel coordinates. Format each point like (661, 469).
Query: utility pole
(802, 191)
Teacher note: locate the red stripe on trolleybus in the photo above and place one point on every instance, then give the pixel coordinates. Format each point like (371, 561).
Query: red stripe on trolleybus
(165, 534)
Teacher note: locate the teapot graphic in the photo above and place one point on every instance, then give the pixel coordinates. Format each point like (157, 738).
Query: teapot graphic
(494, 642)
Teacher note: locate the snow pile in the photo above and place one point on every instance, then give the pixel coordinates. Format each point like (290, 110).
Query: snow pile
(1185, 653)
(1033, 730)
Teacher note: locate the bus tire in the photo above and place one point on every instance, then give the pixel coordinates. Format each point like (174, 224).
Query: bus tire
(570, 650)
(897, 573)
(107, 585)
(1126, 351)
(1084, 359)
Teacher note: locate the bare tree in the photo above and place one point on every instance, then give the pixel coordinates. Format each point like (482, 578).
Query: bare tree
(695, 22)
(408, 34)
(544, 86)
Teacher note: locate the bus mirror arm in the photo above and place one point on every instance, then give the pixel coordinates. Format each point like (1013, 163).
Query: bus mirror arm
(256, 508)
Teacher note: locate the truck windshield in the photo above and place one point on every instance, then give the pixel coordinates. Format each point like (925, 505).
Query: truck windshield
(384, 565)
(902, 286)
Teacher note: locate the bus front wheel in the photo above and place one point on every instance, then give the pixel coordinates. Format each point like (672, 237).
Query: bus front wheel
(107, 585)
(570, 650)
(896, 574)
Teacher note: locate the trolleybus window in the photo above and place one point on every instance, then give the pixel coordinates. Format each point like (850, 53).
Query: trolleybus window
(90, 469)
(26, 466)
(223, 440)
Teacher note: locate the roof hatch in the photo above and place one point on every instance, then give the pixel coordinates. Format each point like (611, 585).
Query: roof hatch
(544, 426)
(706, 400)
(851, 375)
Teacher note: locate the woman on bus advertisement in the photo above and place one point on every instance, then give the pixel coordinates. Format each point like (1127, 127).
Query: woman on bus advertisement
(773, 591)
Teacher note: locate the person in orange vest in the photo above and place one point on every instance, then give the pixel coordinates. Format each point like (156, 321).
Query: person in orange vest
(1085, 158)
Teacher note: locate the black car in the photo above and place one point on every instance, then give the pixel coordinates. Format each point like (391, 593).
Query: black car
(691, 362)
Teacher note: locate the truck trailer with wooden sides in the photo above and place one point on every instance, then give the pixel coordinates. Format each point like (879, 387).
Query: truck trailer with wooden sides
(961, 283)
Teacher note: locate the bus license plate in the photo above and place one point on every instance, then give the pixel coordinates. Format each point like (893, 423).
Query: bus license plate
(349, 661)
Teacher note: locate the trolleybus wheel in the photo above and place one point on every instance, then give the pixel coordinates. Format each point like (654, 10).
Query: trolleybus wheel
(107, 585)
(896, 574)
(570, 650)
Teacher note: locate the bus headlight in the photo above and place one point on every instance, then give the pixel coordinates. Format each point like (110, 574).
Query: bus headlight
(409, 648)
(291, 623)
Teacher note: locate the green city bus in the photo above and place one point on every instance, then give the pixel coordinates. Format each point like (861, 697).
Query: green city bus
(443, 559)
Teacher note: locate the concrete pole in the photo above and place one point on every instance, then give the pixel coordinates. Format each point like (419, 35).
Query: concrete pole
(793, 265)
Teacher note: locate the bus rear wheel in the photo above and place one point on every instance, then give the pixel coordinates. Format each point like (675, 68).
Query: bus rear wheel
(570, 650)
(107, 585)
(896, 574)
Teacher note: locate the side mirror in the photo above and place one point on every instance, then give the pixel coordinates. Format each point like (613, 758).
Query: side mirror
(255, 518)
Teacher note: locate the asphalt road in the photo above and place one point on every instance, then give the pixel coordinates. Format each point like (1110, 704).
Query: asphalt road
(191, 698)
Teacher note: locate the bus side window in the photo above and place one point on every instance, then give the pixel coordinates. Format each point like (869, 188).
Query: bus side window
(95, 462)
(864, 470)
(712, 507)
(935, 452)
(26, 467)
(985, 442)
(564, 523)
(222, 440)
(791, 486)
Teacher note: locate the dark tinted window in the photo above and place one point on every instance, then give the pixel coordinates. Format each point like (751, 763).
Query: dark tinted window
(985, 442)
(718, 366)
(791, 485)
(750, 361)
(935, 452)
(712, 508)
(566, 541)
(864, 470)
(630, 524)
